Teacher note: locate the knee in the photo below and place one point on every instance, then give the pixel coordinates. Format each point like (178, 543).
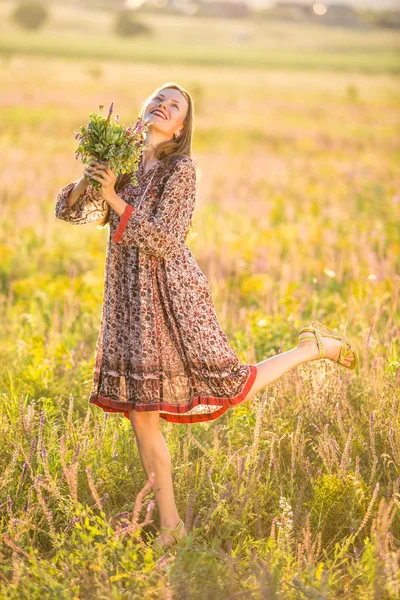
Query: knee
(144, 421)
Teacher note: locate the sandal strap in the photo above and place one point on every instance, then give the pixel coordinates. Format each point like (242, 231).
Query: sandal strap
(317, 338)
(347, 346)
(345, 351)
(175, 531)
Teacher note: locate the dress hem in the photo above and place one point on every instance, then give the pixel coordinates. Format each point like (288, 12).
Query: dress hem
(173, 413)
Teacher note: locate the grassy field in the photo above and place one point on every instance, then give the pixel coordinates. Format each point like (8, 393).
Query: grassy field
(253, 42)
(291, 495)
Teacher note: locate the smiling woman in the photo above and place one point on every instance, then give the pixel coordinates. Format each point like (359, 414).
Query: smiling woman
(161, 351)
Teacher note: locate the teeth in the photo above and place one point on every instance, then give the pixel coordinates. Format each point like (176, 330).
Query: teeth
(158, 112)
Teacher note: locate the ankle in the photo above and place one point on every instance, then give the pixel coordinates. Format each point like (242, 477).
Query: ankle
(170, 523)
(307, 350)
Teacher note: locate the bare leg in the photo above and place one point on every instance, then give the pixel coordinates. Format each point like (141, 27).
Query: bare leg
(273, 368)
(155, 458)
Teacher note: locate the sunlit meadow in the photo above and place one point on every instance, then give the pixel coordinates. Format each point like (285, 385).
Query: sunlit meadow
(293, 494)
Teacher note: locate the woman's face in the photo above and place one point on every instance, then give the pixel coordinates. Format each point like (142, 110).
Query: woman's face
(166, 112)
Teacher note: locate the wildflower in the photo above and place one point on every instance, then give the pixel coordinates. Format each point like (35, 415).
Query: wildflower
(102, 500)
(76, 454)
(329, 272)
(111, 142)
(24, 470)
(110, 111)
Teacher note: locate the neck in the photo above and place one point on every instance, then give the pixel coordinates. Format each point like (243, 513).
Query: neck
(148, 155)
(153, 138)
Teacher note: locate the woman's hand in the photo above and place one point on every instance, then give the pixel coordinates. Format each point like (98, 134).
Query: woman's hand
(106, 176)
(89, 169)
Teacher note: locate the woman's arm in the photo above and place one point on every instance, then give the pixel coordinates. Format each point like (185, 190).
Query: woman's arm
(88, 208)
(162, 234)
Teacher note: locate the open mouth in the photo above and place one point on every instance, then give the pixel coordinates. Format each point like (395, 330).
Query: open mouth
(158, 112)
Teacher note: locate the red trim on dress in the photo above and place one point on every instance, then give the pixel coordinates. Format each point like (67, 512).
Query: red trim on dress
(109, 405)
(123, 221)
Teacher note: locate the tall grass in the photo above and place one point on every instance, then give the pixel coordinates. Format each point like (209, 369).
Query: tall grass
(292, 494)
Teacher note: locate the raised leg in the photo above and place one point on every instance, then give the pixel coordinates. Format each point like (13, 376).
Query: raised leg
(155, 458)
(273, 368)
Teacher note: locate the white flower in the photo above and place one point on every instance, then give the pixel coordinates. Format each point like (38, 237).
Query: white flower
(329, 272)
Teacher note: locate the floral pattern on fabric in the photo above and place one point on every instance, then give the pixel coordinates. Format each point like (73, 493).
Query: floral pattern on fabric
(160, 344)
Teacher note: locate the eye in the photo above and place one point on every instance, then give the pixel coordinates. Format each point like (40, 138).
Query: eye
(158, 98)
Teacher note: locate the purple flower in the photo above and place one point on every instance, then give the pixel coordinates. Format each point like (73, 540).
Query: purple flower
(104, 498)
(139, 125)
(24, 470)
(77, 450)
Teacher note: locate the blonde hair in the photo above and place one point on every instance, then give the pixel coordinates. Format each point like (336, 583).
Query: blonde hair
(167, 152)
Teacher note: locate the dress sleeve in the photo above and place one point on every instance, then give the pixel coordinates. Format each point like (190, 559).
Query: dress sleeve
(163, 233)
(89, 208)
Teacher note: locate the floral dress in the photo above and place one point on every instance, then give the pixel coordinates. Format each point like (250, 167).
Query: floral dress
(160, 345)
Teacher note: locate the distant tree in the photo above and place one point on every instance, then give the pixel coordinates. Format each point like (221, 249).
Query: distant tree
(127, 25)
(30, 15)
(389, 18)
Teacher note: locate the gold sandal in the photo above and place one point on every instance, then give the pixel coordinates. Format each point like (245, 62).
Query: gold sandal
(318, 330)
(175, 532)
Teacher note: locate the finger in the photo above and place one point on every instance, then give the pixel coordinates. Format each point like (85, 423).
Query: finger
(97, 178)
(104, 178)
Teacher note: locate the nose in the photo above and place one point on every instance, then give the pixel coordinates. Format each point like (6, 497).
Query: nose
(159, 105)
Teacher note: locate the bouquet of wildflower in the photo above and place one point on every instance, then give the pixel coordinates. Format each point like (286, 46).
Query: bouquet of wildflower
(120, 146)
